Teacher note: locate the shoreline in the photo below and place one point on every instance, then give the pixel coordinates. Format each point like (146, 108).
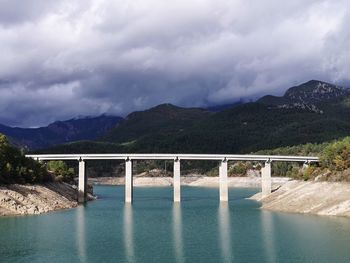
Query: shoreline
(317, 198)
(291, 196)
(20, 200)
(194, 180)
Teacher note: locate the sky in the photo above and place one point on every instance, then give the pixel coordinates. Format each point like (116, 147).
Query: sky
(64, 59)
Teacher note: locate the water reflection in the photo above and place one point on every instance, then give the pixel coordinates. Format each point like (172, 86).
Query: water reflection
(177, 233)
(225, 232)
(80, 232)
(128, 233)
(268, 233)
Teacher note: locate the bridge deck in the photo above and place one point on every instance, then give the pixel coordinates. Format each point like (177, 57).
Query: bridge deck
(218, 157)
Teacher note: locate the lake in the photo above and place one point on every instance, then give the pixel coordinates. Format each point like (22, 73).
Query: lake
(154, 229)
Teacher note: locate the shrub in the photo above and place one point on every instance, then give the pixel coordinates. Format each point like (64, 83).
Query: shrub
(61, 171)
(294, 172)
(336, 156)
(238, 169)
(16, 168)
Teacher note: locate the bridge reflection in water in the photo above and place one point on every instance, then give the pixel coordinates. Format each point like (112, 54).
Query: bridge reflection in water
(268, 234)
(177, 233)
(225, 232)
(80, 233)
(128, 233)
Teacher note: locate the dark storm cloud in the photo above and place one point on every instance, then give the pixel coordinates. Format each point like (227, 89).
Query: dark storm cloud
(61, 59)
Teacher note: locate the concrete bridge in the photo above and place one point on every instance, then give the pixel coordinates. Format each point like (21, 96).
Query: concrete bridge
(266, 160)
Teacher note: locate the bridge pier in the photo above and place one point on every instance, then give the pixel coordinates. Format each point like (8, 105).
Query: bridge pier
(82, 183)
(266, 181)
(305, 165)
(177, 181)
(128, 181)
(223, 180)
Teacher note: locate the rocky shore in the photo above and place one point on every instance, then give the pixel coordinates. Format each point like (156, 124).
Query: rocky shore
(18, 199)
(320, 198)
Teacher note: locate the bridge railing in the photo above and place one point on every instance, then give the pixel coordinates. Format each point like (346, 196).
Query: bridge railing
(229, 157)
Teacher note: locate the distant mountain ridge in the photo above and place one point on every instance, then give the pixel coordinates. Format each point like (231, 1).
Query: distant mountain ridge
(314, 111)
(159, 120)
(315, 91)
(88, 128)
(311, 92)
(222, 107)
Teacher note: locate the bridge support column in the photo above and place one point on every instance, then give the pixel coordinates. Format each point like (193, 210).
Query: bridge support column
(128, 181)
(82, 184)
(223, 181)
(266, 181)
(306, 165)
(177, 181)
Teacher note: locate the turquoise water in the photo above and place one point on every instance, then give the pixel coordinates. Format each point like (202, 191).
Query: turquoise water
(153, 229)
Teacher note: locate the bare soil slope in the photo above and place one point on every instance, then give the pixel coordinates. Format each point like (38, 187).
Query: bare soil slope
(321, 198)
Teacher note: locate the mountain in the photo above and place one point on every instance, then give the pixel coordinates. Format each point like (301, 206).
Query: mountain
(88, 128)
(315, 91)
(312, 112)
(161, 120)
(222, 107)
(315, 111)
(306, 95)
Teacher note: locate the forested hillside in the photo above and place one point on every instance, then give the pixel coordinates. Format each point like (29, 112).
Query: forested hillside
(88, 128)
(265, 124)
(16, 168)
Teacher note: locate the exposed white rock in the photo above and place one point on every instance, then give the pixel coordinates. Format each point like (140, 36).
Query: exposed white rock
(321, 198)
(18, 199)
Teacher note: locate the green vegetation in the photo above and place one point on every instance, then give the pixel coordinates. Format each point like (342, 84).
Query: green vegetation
(60, 132)
(165, 119)
(61, 171)
(16, 168)
(291, 169)
(336, 156)
(334, 164)
(239, 168)
(334, 161)
(242, 129)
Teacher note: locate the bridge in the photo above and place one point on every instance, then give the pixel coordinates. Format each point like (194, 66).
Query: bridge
(266, 160)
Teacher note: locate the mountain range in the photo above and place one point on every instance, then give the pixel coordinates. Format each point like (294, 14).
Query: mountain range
(314, 111)
(87, 128)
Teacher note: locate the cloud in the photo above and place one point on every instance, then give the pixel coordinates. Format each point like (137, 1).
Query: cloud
(60, 59)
